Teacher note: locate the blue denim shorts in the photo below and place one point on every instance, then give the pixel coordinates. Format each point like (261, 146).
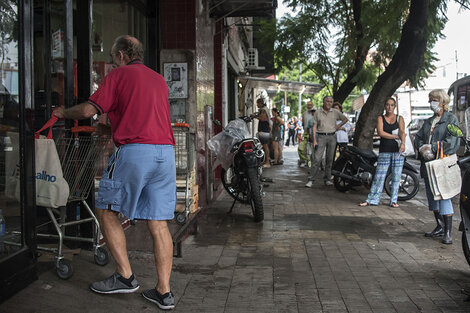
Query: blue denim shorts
(140, 182)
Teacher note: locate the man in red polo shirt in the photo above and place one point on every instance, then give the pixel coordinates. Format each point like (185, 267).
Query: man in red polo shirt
(140, 179)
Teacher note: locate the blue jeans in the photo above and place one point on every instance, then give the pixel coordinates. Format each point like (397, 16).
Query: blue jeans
(383, 163)
(444, 207)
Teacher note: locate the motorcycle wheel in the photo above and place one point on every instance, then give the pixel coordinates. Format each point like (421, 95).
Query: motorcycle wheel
(465, 248)
(409, 185)
(340, 183)
(256, 201)
(232, 187)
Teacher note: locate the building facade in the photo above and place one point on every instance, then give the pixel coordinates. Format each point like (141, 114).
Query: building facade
(57, 52)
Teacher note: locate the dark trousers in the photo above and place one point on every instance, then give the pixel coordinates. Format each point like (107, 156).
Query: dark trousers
(291, 135)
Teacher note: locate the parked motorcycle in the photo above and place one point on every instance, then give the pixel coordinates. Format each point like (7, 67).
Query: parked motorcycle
(464, 163)
(241, 157)
(356, 167)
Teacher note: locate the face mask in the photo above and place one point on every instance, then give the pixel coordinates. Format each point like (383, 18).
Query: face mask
(435, 106)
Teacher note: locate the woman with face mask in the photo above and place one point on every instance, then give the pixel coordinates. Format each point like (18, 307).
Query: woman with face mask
(433, 136)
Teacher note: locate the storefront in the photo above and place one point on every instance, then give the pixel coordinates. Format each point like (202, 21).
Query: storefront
(57, 52)
(53, 52)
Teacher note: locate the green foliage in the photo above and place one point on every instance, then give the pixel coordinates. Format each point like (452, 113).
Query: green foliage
(293, 98)
(330, 36)
(8, 27)
(8, 18)
(433, 32)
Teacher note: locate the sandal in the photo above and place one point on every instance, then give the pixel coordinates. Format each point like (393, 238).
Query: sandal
(395, 205)
(364, 203)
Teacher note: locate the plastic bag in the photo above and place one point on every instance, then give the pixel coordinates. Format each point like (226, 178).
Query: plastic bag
(409, 149)
(222, 143)
(426, 152)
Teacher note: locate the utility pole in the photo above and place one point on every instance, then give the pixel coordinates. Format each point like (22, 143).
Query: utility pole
(300, 93)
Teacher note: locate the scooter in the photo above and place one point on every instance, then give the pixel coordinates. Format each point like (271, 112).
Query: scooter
(464, 163)
(356, 167)
(241, 156)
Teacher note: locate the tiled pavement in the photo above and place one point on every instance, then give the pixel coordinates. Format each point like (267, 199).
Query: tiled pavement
(316, 251)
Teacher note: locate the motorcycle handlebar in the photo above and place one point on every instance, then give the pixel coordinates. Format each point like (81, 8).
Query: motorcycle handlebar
(461, 161)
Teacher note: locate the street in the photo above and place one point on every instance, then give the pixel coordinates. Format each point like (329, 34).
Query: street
(316, 251)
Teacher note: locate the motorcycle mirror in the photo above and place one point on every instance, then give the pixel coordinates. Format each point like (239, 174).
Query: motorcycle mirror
(454, 130)
(217, 122)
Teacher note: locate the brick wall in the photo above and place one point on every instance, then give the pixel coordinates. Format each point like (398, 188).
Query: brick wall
(178, 24)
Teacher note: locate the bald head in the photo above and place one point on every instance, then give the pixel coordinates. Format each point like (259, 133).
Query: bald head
(129, 46)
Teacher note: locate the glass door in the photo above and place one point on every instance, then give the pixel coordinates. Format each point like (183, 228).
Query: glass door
(10, 180)
(17, 216)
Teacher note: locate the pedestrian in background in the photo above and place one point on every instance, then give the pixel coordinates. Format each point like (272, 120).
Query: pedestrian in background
(276, 136)
(264, 129)
(390, 153)
(307, 137)
(324, 125)
(433, 134)
(291, 131)
(299, 130)
(140, 180)
(342, 138)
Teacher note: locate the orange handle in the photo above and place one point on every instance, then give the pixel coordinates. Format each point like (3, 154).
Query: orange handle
(180, 125)
(85, 129)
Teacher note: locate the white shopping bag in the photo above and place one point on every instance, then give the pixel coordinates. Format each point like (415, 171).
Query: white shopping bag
(409, 149)
(432, 181)
(445, 176)
(52, 189)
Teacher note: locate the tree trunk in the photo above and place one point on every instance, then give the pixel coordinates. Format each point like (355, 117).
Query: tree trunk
(349, 83)
(408, 58)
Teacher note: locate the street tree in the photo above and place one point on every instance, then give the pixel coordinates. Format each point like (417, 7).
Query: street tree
(8, 29)
(349, 43)
(411, 61)
(334, 39)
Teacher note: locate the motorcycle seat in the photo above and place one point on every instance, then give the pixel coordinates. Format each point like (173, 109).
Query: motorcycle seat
(368, 154)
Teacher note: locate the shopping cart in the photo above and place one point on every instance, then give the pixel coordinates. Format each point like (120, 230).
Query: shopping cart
(78, 156)
(184, 159)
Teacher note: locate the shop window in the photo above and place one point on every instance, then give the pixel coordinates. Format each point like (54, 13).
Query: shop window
(10, 220)
(111, 19)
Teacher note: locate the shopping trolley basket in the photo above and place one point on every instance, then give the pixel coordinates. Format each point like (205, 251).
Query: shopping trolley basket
(184, 159)
(78, 157)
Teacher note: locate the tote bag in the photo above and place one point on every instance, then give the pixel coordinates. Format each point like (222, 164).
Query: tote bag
(52, 189)
(444, 175)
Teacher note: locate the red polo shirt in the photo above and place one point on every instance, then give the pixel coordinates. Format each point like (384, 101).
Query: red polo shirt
(136, 100)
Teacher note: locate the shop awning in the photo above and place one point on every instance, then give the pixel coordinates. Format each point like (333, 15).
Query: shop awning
(242, 8)
(274, 85)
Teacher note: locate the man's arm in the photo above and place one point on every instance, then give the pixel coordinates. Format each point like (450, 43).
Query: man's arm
(341, 117)
(78, 112)
(314, 134)
(344, 121)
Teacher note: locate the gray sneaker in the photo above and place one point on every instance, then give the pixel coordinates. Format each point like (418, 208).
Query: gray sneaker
(115, 284)
(164, 302)
(328, 183)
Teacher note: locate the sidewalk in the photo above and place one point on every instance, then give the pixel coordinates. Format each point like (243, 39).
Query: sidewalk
(316, 251)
